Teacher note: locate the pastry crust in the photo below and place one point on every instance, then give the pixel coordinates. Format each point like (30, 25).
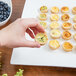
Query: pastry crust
(54, 17)
(65, 9)
(41, 38)
(44, 24)
(54, 25)
(44, 9)
(74, 36)
(55, 34)
(54, 44)
(74, 26)
(55, 10)
(67, 46)
(74, 19)
(66, 35)
(43, 17)
(65, 17)
(66, 25)
(74, 10)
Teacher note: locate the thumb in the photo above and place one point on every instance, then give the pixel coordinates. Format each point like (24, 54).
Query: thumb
(28, 43)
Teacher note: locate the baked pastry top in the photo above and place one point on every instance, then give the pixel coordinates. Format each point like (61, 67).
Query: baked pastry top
(74, 10)
(44, 24)
(64, 9)
(74, 18)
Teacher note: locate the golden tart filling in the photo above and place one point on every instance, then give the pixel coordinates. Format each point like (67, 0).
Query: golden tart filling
(74, 19)
(54, 25)
(74, 36)
(74, 10)
(64, 9)
(55, 9)
(41, 38)
(43, 17)
(44, 24)
(65, 17)
(66, 35)
(74, 26)
(66, 25)
(55, 34)
(67, 46)
(54, 17)
(54, 44)
(44, 9)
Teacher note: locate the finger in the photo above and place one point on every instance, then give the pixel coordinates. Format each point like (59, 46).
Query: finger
(31, 44)
(30, 33)
(34, 30)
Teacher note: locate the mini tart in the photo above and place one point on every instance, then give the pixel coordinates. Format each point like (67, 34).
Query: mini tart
(44, 9)
(43, 17)
(41, 38)
(74, 36)
(66, 35)
(54, 25)
(65, 17)
(55, 34)
(66, 26)
(74, 19)
(67, 46)
(74, 10)
(44, 24)
(55, 10)
(64, 9)
(54, 17)
(54, 44)
(74, 26)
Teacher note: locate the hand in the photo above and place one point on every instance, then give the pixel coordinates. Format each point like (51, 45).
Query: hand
(14, 34)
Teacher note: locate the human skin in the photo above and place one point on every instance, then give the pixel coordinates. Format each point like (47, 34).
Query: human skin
(13, 35)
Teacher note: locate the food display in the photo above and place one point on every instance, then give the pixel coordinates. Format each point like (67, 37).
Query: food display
(54, 17)
(44, 24)
(62, 26)
(67, 46)
(55, 10)
(66, 25)
(41, 38)
(65, 9)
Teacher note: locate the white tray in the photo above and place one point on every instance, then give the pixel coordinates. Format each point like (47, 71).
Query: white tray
(44, 56)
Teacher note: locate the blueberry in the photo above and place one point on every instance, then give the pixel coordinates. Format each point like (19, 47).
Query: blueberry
(2, 3)
(9, 9)
(6, 6)
(1, 16)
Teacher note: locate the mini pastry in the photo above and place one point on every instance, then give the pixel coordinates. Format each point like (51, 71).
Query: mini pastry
(74, 26)
(66, 25)
(55, 34)
(43, 17)
(67, 46)
(74, 10)
(74, 36)
(54, 44)
(55, 10)
(74, 19)
(65, 17)
(54, 17)
(54, 25)
(44, 24)
(64, 9)
(66, 35)
(41, 38)
(44, 9)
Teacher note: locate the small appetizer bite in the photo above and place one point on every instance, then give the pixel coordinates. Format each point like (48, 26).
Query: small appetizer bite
(74, 10)
(67, 46)
(54, 44)
(66, 35)
(43, 17)
(65, 9)
(54, 25)
(55, 34)
(74, 36)
(41, 38)
(66, 25)
(74, 26)
(54, 17)
(55, 10)
(44, 9)
(74, 19)
(44, 24)
(65, 17)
